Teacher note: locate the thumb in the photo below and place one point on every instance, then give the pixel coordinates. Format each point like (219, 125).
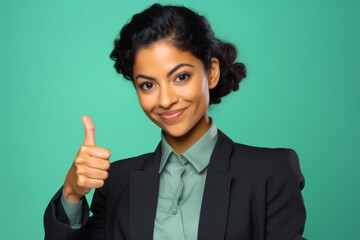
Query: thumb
(89, 131)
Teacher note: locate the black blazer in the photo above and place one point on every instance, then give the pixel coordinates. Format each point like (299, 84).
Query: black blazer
(250, 194)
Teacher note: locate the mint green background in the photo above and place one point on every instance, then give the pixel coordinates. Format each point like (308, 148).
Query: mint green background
(302, 91)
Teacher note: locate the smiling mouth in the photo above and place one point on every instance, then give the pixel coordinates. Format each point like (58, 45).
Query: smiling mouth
(172, 115)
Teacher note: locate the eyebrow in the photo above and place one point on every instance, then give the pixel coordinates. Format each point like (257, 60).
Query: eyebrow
(144, 76)
(169, 73)
(177, 67)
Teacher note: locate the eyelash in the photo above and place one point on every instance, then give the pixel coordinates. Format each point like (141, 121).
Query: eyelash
(186, 75)
(143, 86)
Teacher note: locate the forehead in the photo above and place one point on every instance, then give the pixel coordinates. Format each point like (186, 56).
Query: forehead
(162, 56)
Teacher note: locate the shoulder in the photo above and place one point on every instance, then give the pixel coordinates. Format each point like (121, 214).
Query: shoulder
(265, 155)
(270, 157)
(263, 161)
(256, 155)
(268, 163)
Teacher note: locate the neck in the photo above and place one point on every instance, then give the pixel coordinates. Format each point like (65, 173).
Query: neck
(182, 143)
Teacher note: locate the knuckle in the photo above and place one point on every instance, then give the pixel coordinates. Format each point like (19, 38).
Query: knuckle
(105, 153)
(78, 160)
(108, 152)
(81, 182)
(82, 149)
(78, 171)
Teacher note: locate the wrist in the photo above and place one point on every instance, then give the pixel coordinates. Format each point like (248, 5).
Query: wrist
(70, 194)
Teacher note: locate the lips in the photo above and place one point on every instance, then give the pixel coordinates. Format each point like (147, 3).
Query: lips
(171, 115)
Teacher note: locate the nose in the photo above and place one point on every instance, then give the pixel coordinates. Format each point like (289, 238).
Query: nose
(167, 97)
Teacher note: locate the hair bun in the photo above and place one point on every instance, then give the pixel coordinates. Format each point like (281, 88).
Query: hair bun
(231, 72)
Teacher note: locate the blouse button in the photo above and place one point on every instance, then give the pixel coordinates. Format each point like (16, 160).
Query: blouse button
(174, 211)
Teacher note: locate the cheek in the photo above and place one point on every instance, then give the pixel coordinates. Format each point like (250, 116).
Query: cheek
(197, 91)
(146, 102)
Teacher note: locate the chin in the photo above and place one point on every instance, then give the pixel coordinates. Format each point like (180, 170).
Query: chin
(175, 132)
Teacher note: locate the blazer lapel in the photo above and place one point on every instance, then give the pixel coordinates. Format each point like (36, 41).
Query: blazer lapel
(143, 195)
(214, 208)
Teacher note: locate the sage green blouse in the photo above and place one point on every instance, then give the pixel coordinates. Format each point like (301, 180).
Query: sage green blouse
(182, 181)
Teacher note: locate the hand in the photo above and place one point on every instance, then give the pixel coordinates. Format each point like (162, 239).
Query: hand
(89, 169)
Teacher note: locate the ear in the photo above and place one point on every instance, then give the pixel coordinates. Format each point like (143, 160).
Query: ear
(214, 73)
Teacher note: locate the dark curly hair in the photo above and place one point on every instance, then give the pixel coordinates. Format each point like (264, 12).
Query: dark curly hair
(188, 31)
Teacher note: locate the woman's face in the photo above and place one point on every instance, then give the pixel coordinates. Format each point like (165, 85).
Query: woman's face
(173, 88)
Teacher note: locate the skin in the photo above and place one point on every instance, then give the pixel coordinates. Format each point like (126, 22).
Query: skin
(89, 169)
(173, 90)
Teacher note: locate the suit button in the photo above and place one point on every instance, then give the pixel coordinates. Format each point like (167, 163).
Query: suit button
(174, 211)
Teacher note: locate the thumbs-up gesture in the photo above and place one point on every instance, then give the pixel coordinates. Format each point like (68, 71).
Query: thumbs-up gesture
(89, 169)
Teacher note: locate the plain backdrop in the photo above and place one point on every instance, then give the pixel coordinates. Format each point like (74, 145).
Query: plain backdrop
(302, 92)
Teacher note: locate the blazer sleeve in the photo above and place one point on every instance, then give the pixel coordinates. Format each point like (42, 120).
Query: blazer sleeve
(57, 225)
(56, 222)
(285, 215)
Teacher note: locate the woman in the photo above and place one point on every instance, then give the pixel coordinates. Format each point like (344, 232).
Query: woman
(198, 184)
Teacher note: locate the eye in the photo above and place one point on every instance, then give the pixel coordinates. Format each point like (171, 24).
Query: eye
(182, 77)
(146, 86)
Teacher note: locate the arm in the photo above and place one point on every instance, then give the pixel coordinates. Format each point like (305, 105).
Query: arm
(285, 218)
(73, 211)
(56, 222)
